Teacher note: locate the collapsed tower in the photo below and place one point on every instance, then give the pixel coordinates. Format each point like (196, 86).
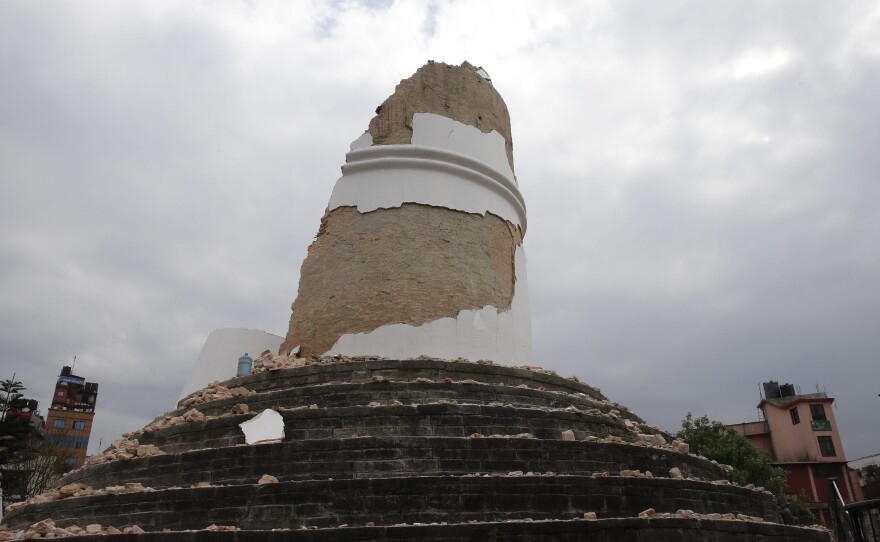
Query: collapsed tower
(395, 418)
(420, 250)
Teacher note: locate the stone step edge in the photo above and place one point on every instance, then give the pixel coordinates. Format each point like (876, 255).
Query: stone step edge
(369, 411)
(391, 480)
(535, 374)
(578, 400)
(509, 440)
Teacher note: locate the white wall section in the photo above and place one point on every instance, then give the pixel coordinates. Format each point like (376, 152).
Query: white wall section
(449, 164)
(218, 359)
(504, 337)
(444, 133)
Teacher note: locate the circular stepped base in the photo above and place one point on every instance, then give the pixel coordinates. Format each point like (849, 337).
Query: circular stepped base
(388, 501)
(363, 371)
(343, 461)
(439, 419)
(327, 395)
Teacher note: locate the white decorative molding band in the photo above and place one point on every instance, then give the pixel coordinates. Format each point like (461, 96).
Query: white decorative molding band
(387, 176)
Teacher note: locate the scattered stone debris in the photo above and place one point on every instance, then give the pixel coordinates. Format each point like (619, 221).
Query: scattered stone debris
(269, 361)
(219, 528)
(568, 434)
(682, 446)
(124, 449)
(267, 479)
(650, 512)
(76, 490)
(214, 392)
(130, 487)
(47, 529)
(591, 516)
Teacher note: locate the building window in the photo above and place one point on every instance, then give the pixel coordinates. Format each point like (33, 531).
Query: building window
(60, 393)
(829, 472)
(79, 426)
(58, 424)
(826, 446)
(818, 412)
(795, 417)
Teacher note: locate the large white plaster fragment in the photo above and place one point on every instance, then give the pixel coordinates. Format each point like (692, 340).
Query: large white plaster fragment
(448, 164)
(267, 426)
(442, 132)
(504, 337)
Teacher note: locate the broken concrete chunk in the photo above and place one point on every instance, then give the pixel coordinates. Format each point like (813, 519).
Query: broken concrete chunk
(193, 415)
(238, 409)
(267, 426)
(681, 446)
(43, 527)
(148, 450)
(568, 434)
(267, 479)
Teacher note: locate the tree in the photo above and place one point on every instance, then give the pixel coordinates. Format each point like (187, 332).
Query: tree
(28, 463)
(14, 430)
(12, 396)
(717, 441)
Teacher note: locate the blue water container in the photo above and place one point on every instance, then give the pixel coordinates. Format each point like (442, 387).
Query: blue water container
(245, 364)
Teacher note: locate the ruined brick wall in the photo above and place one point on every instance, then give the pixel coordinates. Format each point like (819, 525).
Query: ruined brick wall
(411, 265)
(442, 89)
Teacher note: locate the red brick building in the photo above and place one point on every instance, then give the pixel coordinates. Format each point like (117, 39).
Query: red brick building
(69, 420)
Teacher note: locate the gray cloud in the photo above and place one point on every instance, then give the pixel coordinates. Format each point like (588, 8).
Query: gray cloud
(701, 184)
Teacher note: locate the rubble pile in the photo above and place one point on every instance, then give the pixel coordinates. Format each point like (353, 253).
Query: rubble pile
(269, 361)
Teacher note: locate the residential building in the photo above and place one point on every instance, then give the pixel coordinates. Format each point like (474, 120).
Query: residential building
(800, 434)
(69, 420)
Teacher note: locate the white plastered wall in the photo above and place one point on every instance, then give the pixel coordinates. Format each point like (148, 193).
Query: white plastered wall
(218, 359)
(449, 164)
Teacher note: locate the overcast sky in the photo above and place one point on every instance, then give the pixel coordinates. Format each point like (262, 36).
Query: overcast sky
(701, 181)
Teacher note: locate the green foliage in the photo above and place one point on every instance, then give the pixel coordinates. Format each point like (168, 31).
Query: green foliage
(717, 441)
(13, 432)
(871, 473)
(28, 464)
(798, 507)
(12, 396)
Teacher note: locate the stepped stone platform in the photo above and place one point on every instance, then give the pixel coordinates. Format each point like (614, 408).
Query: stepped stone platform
(420, 449)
